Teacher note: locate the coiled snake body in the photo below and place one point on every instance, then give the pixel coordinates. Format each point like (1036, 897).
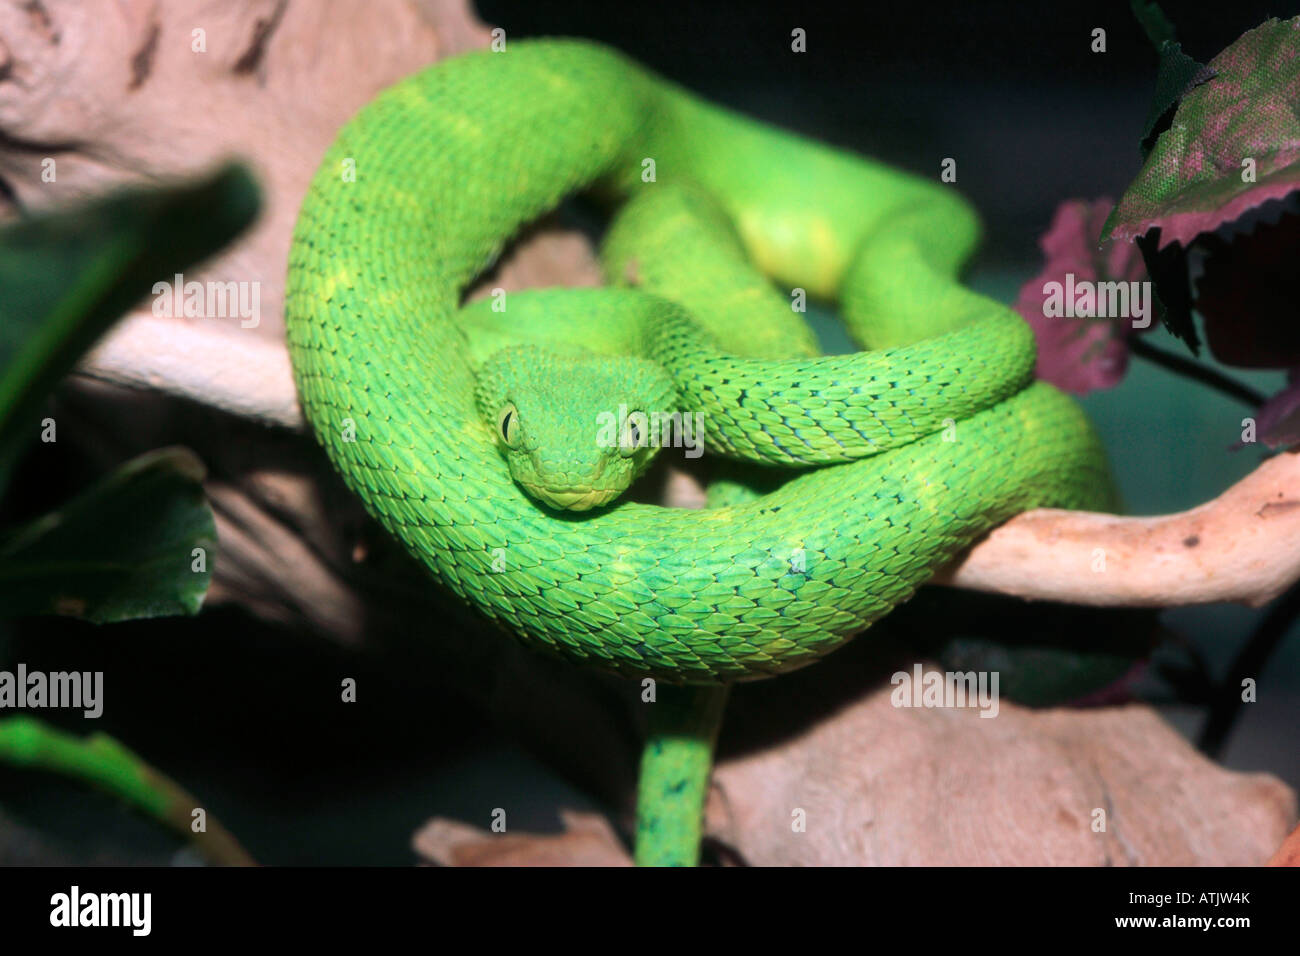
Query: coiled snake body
(893, 459)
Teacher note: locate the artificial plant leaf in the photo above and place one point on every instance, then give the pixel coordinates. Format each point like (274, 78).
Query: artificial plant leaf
(65, 277)
(1234, 144)
(1248, 287)
(1079, 354)
(1278, 419)
(1171, 287)
(1044, 654)
(124, 549)
(1177, 74)
(1154, 22)
(1231, 150)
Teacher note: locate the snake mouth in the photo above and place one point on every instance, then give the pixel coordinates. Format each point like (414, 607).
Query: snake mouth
(571, 499)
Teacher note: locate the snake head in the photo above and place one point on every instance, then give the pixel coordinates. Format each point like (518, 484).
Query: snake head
(575, 428)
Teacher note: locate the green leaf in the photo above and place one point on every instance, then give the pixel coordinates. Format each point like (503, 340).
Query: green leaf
(1044, 654)
(1038, 676)
(102, 761)
(1177, 75)
(122, 550)
(66, 277)
(1154, 22)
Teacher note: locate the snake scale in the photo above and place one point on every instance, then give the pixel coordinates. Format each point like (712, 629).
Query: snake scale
(467, 432)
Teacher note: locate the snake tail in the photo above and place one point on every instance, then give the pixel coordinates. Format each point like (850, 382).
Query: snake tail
(675, 766)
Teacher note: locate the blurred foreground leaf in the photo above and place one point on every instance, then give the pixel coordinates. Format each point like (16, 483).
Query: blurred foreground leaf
(123, 549)
(102, 761)
(66, 277)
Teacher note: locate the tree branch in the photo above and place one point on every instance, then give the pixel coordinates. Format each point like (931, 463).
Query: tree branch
(1243, 546)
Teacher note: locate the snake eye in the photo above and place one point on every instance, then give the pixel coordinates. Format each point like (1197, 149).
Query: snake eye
(633, 438)
(508, 425)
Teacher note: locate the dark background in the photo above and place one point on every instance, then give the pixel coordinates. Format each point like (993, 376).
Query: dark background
(247, 716)
(1009, 89)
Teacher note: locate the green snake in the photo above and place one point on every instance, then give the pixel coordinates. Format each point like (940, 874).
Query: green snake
(471, 433)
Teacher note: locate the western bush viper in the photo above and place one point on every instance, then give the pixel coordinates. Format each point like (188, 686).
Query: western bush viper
(882, 465)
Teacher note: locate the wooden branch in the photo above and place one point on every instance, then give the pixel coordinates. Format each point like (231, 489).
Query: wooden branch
(244, 375)
(1243, 546)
